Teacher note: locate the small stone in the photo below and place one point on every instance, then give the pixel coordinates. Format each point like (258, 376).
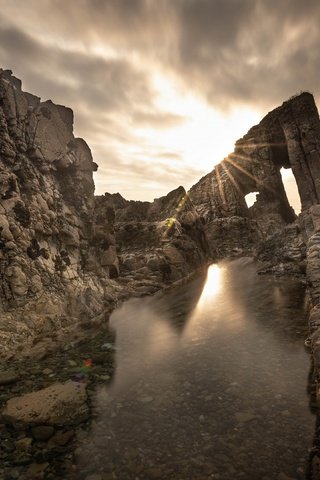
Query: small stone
(47, 371)
(6, 378)
(284, 476)
(22, 459)
(7, 445)
(72, 363)
(42, 432)
(243, 417)
(285, 413)
(201, 418)
(146, 399)
(61, 438)
(36, 470)
(94, 476)
(23, 444)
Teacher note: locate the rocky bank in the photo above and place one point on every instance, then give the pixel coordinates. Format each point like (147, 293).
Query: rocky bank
(67, 257)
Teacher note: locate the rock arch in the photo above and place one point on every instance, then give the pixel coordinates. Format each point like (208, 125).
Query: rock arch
(289, 137)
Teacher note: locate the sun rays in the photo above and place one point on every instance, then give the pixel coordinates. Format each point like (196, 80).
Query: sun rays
(171, 221)
(231, 180)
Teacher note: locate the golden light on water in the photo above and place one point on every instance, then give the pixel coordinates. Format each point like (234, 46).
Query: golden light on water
(215, 298)
(213, 284)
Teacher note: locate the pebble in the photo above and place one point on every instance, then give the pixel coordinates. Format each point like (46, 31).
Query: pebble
(42, 432)
(23, 444)
(6, 378)
(22, 459)
(36, 470)
(47, 371)
(72, 363)
(286, 413)
(7, 445)
(243, 417)
(146, 399)
(108, 346)
(61, 438)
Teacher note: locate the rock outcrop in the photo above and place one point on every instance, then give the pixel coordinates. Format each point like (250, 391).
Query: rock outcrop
(50, 247)
(288, 137)
(59, 258)
(157, 242)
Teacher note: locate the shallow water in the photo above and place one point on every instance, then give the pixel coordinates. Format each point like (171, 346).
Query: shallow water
(210, 383)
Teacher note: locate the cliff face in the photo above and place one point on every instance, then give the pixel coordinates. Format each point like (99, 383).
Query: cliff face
(50, 247)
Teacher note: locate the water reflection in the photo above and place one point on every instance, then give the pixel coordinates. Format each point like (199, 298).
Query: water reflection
(223, 396)
(213, 284)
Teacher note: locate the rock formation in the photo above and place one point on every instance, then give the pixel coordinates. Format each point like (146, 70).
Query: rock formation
(66, 256)
(157, 242)
(58, 255)
(288, 137)
(51, 275)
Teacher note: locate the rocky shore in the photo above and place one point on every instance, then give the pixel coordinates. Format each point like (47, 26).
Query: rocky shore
(48, 405)
(67, 258)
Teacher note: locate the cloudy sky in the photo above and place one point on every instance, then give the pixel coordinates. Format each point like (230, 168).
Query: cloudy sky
(161, 89)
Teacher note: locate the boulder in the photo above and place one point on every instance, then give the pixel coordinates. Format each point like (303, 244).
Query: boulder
(59, 404)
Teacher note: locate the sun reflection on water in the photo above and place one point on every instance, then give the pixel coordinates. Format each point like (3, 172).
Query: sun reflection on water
(212, 286)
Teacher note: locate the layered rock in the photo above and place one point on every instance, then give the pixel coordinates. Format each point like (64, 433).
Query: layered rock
(51, 275)
(157, 242)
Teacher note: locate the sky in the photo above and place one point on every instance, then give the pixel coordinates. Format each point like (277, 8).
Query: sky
(162, 89)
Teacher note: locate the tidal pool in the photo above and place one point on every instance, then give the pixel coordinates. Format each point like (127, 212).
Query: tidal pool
(210, 383)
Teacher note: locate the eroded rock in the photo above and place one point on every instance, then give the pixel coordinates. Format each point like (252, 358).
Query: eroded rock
(59, 404)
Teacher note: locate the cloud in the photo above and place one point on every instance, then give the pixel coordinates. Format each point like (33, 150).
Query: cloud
(243, 51)
(248, 51)
(87, 79)
(159, 120)
(100, 58)
(132, 175)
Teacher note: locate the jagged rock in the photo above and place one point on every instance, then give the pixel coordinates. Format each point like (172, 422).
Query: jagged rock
(59, 404)
(47, 247)
(288, 137)
(164, 240)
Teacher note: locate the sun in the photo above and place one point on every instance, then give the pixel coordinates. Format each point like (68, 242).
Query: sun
(205, 135)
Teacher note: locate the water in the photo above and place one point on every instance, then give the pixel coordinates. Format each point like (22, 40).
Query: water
(210, 383)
